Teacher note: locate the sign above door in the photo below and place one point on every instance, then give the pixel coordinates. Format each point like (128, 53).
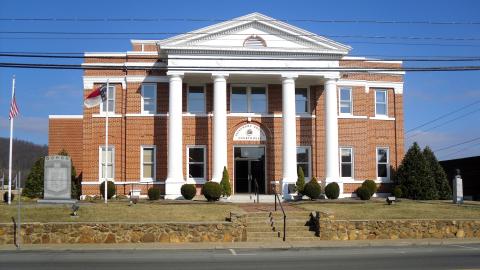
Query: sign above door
(249, 132)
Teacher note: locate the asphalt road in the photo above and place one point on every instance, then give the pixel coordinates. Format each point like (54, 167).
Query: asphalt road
(427, 257)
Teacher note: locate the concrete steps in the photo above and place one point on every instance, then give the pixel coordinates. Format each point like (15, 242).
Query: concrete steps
(268, 227)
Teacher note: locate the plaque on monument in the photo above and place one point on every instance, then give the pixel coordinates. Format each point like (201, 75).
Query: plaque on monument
(57, 180)
(458, 189)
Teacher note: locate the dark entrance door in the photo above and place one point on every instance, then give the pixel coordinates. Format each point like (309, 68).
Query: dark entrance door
(249, 167)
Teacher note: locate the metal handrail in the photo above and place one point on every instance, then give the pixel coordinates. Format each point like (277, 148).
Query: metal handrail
(284, 215)
(257, 192)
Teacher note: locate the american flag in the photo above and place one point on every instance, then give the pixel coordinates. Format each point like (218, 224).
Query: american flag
(13, 108)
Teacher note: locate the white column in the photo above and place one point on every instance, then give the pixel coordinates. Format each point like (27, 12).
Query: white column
(331, 133)
(175, 137)
(219, 125)
(289, 153)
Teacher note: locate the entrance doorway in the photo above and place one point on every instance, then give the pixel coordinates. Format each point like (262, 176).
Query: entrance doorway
(249, 167)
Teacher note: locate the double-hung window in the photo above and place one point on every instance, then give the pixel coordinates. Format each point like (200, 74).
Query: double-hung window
(383, 163)
(346, 162)
(110, 100)
(148, 161)
(301, 100)
(196, 163)
(345, 100)
(248, 99)
(381, 103)
(196, 99)
(149, 98)
(107, 157)
(304, 160)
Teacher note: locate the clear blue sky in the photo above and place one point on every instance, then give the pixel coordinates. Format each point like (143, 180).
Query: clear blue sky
(427, 95)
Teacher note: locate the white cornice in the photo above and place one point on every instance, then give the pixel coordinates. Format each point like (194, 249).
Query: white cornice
(100, 54)
(397, 86)
(64, 116)
(89, 81)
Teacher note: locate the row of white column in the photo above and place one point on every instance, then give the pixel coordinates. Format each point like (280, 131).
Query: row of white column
(175, 177)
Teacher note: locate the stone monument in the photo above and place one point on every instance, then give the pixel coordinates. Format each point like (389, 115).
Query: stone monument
(457, 188)
(57, 180)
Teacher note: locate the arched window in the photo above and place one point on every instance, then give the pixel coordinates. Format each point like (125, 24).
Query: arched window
(254, 42)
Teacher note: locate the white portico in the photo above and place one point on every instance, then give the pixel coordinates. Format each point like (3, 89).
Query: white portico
(252, 48)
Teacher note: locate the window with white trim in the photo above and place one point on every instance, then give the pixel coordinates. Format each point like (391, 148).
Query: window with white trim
(381, 103)
(196, 99)
(196, 162)
(304, 160)
(149, 98)
(248, 99)
(301, 100)
(111, 101)
(383, 163)
(148, 160)
(346, 162)
(107, 157)
(345, 100)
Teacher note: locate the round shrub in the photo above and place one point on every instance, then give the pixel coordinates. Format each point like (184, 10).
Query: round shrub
(370, 186)
(363, 193)
(153, 194)
(5, 197)
(397, 192)
(212, 191)
(332, 190)
(312, 189)
(188, 191)
(111, 190)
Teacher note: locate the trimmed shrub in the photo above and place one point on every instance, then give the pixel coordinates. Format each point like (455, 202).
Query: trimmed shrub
(397, 192)
(312, 189)
(332, 191)
(188, 191)
(212, 191)
(444, 191)
(111, 190)
(300, 184)
(5, 197)
(153, 194)
(225, 183)
(364, 193)
(370, 186)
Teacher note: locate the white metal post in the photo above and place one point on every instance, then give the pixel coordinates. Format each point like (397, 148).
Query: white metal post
(10, 150)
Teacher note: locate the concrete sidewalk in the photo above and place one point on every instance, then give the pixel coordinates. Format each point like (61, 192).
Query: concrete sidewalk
(243, 245)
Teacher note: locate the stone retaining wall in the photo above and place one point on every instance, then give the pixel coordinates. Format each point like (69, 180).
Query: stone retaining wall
(86, 233)
(331, 229)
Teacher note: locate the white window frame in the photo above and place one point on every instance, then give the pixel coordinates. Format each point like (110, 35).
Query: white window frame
(352, 162)
(309, 161)
(154, 98)
(249, 98)
(383, 179)
(204, 100)
(340, 100)
(309, 109)
(386, 103)
(197, 180)
(143, 179)
(111, 97)
(100, 165)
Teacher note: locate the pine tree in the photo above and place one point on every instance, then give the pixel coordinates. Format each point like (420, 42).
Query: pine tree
(300, 184)
(413, 174)
(34, 184)
(225, 183)
(441, 182)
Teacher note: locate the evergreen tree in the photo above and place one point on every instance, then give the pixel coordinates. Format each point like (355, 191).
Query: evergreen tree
(225, 183)
(441, 182)
(34, 184)
(414, 175)
(300, 184)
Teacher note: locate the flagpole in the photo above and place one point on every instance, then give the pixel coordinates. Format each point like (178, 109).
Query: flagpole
(106, 145)
(10, 150)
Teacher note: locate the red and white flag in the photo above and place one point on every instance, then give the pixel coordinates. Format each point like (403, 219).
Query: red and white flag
(13, 108)
(96, 97)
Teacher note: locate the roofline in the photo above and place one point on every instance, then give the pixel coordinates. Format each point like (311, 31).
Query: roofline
(65, 116)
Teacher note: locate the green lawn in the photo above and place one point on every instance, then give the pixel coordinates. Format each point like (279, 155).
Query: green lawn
(120, 212)
(405, 209)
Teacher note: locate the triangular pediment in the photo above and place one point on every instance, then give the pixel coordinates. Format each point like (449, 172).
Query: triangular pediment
(254, 32)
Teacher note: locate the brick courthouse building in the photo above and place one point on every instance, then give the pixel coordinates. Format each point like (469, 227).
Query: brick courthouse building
(256, 95)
